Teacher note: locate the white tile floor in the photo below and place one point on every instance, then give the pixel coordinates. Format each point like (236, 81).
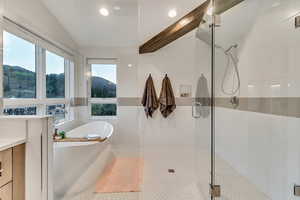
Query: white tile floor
(189, 182)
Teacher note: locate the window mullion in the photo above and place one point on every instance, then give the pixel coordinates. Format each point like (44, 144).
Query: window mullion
(1, 77)
(67, 79)
(89, 81)
(41, 109)
(1, 70)
(41, 73)
(67, 89)
(41, 78)
(43, 66)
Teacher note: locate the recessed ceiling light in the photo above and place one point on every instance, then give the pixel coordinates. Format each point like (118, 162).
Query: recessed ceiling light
(129, 65)
(117, 8)
(104, 11)
(172, 13)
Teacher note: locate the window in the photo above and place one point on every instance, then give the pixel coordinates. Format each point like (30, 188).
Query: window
(20, 111)
(19, 72)
(104, 81)
(57, 111)
(103, 89)
(35, 79)
(104, 109)
(55, 76)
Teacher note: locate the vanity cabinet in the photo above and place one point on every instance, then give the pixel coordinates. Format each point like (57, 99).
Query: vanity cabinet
(28, 167)
(6, 192)
(5, 167)
(12, 173)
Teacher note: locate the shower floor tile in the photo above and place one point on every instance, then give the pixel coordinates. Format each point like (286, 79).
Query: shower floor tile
(159, 183)
(117, 196)
(189, 182)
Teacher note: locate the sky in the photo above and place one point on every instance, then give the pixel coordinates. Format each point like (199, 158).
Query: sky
(54, 64)
(19, 52)
(106, 71)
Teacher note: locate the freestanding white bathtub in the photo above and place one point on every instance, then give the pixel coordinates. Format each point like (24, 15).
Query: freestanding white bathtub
(78, 165)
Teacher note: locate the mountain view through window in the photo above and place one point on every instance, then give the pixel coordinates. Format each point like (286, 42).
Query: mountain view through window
(19, 68)
(104, 87)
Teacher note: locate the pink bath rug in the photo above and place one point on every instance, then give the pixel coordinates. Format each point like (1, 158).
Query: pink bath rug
(121, 175)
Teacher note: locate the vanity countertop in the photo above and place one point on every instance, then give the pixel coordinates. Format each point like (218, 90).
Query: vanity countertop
(11, 142)
(13, 130)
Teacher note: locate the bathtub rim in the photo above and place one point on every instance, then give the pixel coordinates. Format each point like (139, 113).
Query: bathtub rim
(78, 144)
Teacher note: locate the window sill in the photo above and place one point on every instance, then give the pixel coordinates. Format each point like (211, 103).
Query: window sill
(104, 118)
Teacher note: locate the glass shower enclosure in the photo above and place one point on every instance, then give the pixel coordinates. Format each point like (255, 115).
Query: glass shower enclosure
(254, 144)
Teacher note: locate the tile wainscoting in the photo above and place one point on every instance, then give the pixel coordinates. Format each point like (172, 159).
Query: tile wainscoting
(282, 106)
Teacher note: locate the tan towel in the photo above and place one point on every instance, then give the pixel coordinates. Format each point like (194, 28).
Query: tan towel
(149, 101)
(167, 98)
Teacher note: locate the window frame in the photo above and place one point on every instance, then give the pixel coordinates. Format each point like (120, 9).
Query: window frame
(92, 100)
(66, 70)
(41, 101)
(21, 106)
(29, 39)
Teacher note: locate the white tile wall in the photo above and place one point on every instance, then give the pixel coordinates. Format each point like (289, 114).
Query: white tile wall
(262, 148)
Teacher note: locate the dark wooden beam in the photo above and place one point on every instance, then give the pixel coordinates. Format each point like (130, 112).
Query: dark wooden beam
(176, 30)
(185, 25)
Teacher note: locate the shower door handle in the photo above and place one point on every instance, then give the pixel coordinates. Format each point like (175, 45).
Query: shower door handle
(195, 110)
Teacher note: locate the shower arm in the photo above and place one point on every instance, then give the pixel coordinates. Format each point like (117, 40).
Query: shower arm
(231, 47)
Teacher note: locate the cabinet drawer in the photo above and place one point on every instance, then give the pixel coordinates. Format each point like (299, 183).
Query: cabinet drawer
(6, 192)
(5, 167)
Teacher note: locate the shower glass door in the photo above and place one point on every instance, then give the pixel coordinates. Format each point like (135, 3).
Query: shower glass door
(257, 47)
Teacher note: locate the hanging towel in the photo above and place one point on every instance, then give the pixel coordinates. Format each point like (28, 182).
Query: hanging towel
(167, 98)
(203, 97)
(149, 101)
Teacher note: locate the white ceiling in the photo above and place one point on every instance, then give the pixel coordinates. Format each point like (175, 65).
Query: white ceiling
(139, 20)
(154, 15)
(237, 22)
(88, 28)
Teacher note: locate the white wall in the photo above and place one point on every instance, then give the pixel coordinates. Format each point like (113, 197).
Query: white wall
(178, 142)
(182, 61)
(166, 143)
(126, 132)
(264, 147)
(34, 15)
(126, 76)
